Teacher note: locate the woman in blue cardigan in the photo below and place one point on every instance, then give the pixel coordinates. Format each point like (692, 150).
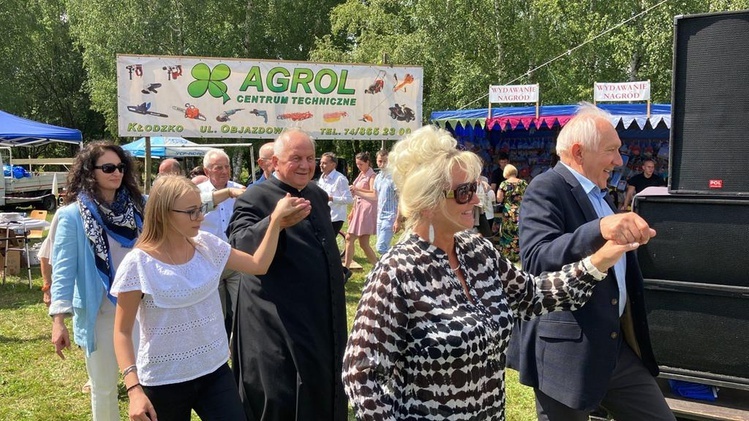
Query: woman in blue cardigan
(93, 236)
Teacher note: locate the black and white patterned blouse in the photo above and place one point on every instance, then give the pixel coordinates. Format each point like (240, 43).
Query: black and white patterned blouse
(419, 349)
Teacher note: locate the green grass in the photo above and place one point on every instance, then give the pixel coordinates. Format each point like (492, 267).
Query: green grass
(35, 384)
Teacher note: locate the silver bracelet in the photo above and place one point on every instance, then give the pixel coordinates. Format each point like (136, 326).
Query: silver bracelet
(128, 370)
(592, 269)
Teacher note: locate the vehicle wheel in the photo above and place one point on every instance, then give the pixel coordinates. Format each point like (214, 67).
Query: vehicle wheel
(49, 203)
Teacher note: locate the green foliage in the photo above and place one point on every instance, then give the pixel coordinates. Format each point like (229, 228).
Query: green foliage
(280, 29)
(464, 46)
(41, 68)
(58, 57)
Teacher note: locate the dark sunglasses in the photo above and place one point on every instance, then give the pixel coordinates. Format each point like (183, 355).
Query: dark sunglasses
(194, 213)
(463, 193)
(109, 168)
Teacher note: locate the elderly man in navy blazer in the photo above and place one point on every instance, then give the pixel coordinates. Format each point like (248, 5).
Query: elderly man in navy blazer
(601, 353)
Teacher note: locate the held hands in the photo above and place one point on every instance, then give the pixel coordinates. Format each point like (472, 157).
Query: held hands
(290, 210)
(610, 253)
(625, 228)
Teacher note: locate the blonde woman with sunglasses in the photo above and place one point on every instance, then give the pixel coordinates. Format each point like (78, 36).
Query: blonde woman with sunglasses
(437, 310)
(169, 281)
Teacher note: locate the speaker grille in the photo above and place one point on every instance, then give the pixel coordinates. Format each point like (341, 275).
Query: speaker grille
(710, 114)
(696, 272)
(699, 332)
(698, 240)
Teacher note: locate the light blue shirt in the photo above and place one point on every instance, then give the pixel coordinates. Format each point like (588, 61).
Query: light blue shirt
(387, 201)
(602, 208)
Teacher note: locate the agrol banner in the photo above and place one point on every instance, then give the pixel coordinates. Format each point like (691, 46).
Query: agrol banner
(257, 99)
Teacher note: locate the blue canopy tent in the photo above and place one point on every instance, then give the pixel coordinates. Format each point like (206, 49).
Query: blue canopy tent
(530, 141)
(18, 131)
(166, 147)
(550, 116)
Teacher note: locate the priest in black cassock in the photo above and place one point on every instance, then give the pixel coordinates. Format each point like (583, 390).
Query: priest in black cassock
(290, 327)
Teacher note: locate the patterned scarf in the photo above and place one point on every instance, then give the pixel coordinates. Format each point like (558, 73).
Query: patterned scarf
(121, 221)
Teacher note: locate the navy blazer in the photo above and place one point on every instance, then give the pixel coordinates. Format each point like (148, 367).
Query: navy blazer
(570, 356)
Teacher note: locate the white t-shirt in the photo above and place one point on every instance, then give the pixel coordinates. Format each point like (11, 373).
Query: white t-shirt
(182, 334)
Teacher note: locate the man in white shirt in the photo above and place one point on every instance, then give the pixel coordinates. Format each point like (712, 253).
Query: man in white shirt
(336, 185)
(218, 171)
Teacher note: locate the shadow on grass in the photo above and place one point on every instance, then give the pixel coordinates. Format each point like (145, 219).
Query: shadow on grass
(14, 340)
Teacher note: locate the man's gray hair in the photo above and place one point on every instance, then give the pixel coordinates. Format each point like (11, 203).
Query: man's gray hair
(581, 129)
(212, 154)
(283, 139)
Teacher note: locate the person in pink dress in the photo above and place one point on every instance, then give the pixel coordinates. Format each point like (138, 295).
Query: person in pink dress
(363, 217)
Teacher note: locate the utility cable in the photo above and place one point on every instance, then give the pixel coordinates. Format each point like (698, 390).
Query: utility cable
(569, 52)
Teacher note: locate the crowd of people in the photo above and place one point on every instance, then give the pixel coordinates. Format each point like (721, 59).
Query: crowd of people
(164, 290)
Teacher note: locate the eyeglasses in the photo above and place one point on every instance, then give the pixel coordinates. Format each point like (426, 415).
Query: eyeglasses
(463, 193)
(194, 213)
(109, 168)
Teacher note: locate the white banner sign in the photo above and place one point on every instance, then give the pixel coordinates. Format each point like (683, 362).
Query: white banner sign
(232, 98)
(513, 93)
(625, 91)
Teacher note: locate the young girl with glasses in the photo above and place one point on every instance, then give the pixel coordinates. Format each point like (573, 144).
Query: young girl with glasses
(170, 283)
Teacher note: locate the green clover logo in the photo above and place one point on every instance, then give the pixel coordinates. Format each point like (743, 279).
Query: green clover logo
(211, 81)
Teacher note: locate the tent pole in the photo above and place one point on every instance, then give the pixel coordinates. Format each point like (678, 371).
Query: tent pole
(147, 181)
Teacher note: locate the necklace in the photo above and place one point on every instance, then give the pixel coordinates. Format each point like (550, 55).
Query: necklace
(170, 256)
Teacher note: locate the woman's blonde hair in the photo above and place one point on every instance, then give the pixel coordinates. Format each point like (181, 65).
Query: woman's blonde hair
(422, 165)
(157, 219)
(510, 171)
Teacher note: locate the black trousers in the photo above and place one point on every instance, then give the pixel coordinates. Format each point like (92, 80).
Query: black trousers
(633, 395)
(213, 397)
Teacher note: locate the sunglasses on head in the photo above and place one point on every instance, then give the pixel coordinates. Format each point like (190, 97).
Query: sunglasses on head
(109, 168)
(463, 193)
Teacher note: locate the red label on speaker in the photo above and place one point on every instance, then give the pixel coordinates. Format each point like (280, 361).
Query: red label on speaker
(715, 184)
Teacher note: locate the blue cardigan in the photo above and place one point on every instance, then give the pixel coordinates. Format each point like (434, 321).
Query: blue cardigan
(77, 287)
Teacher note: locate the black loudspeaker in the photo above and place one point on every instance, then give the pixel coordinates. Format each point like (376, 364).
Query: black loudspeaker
(696, 272)
(710, 105)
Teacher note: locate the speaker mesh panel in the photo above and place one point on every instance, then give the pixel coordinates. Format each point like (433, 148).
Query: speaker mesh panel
(698, 240)
(699, 332)
(710, 114)
(700, 322)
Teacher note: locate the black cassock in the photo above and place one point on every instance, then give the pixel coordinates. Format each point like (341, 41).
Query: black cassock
(290, 326)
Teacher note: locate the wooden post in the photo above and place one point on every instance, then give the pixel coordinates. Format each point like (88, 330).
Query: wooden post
(147, 180)
(490, 104)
